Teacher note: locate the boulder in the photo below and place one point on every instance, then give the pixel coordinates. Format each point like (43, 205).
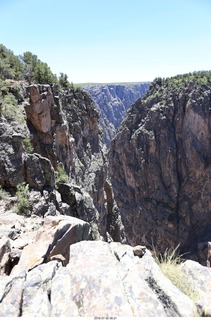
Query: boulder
(200, 279)
(204, 253)
(11, 224)
(11, 300)
(16, 232)
(45, 202)
(54, 237)
(37, 290)
(9, 256)
(139, 250)
(80, 203)
(39, 171)
(5, 249)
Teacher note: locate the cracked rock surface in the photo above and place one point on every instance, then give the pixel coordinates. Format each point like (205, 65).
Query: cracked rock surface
(100, 279)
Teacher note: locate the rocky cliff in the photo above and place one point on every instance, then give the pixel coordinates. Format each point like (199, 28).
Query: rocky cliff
(75, 229)
(160, 164)
(112, 102)
(50, 133)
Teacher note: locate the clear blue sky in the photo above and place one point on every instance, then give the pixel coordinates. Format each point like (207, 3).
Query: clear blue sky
(111, 40)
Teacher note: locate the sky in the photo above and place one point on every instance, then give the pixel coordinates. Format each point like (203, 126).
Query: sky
(111, 40)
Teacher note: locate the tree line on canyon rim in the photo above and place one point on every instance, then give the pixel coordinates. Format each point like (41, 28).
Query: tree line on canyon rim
(28, 67)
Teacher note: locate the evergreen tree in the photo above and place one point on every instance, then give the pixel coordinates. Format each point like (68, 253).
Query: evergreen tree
(63, 81)
(36, 70)
(11, 66)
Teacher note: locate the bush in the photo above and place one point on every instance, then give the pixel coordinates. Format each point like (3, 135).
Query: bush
(10, 65)
(61, 176)
(23, 204)
(9, 106)
(10, 110)
(28, 145)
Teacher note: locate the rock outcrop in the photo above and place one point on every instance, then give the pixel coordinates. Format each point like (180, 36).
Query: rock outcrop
(53, 238)
(100, 279)
(160, 164)
(200, 279)
(59, 131)
(112, 101)
(11, 159)
(57, 272)
(64, 128)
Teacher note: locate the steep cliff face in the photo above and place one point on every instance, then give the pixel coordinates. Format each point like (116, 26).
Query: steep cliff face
(60, 130)
(160, 164)
(64, 128)
(112, 102)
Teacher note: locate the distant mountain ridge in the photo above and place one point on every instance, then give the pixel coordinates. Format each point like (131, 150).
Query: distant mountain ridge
(112, 101)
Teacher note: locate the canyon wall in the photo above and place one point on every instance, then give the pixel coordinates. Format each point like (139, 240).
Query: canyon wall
(160, 167)
(112, 101)
(52, 131)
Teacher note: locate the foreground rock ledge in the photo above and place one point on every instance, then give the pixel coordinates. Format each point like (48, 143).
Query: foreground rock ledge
(53, 238)
(100, 279)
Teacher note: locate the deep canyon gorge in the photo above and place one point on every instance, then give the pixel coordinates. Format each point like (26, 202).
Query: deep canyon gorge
(94, 180)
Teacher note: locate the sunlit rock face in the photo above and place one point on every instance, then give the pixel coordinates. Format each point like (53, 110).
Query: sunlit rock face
(160, 164)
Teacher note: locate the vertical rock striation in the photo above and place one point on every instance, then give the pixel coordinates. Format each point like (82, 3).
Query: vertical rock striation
(160, 164)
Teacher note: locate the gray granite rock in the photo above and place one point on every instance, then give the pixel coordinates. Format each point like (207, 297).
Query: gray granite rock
(100, 280)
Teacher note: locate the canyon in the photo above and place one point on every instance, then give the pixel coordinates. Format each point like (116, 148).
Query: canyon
(112, 101)
(97, 184)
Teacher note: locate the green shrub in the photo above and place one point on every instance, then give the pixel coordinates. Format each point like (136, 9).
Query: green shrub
(10, 108)
(61, 175)
(16, 89)
(10, 65)
(28, 145)
(23, 204)
(3, 88)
